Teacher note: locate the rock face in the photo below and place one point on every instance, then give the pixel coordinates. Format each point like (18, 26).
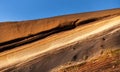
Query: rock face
(42, 45)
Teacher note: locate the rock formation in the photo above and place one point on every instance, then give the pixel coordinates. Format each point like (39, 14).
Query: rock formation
(57, 43)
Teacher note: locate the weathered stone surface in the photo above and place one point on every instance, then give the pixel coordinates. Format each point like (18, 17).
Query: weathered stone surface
(41, 45)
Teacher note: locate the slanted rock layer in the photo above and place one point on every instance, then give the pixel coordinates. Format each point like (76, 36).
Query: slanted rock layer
(42, 45)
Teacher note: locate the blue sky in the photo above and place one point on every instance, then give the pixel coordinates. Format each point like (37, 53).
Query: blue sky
(17, 10)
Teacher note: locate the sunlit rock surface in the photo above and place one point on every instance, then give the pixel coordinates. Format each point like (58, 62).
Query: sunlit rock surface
(47, 44)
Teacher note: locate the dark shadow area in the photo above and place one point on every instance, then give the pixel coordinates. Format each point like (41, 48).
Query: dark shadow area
(74, 58)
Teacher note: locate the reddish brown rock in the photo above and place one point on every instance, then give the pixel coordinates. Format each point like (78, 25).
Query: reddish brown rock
(42, 45)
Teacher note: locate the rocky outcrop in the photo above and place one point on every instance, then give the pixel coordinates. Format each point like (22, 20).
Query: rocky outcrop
(41, 45)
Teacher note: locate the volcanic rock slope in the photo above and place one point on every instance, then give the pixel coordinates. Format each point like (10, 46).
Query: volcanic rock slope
(62, 42)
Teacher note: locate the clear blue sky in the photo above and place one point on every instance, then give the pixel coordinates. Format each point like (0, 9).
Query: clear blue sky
(17, 10)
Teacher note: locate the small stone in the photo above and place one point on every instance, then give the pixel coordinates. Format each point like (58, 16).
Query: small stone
(113, 66)
(85, 57)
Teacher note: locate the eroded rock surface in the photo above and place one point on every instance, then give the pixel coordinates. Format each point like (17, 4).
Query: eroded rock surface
(42, 45)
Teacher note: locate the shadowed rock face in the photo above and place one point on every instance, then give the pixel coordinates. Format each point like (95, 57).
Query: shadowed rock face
(42, 45)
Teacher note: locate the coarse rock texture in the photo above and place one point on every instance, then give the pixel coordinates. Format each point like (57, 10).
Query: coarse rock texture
(46, 44)
(109, 62)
